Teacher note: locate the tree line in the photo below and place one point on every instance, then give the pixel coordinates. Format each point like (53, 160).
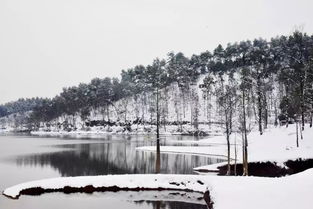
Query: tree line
(254, 80)
(286, 60)
(20, 106)
(251, 83)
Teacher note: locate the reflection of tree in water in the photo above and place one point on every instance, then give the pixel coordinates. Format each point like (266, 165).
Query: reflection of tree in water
(173, 205)
(113, 158)
(72, 164)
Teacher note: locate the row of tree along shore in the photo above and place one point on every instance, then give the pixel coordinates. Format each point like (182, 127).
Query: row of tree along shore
(242, 86)
(255, 68)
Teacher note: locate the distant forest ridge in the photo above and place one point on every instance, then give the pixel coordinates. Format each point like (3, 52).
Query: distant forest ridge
(285, 60)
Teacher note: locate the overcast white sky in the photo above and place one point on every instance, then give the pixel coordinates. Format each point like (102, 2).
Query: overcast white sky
(49, 44)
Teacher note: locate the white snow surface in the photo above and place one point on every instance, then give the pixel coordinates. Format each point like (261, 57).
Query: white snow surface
(227, 192)
(121, 181)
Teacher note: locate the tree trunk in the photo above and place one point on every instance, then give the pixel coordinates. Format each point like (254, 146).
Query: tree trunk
(125, 109)
(228, 143)
(228, 147)
(158, 115)
(311, 119)
(301, 135)
(195, 111)
(143, 103)
(302, 103)
(302, 119)
(243, 152)
(245, 166)
(74, 121)
(184, 104)
(209, 110)
(265, 112)
(276, 115)
(259, 104)
(297, 135)
(108, 113)
(158, 157)
(235, 166)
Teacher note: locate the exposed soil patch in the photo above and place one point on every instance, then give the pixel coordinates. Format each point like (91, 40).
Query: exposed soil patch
(90, 189)
(208, 199)
(265, 169)
(270, 169)
(299, 165)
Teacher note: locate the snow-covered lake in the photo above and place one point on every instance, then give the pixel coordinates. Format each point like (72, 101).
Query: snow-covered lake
(26, 158)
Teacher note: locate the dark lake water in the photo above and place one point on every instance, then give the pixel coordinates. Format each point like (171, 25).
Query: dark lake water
(25, 158)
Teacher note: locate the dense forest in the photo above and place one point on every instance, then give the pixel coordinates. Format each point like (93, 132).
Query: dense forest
(19, 106)
(257, 82)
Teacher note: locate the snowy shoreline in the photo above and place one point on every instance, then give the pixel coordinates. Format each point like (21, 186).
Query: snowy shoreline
(134, 129)
(266, 192)
(119, 130)
(90, 134)
(132, 182)
(276, 145)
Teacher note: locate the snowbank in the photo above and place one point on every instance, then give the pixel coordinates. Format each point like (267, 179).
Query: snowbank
(227, 192)
(208, 151)
(122, 182)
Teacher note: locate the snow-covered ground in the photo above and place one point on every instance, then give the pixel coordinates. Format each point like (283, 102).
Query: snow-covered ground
(227, 192)
(275, 145)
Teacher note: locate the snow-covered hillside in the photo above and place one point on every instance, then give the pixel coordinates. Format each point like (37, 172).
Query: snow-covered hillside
(192, 111)
(181, 112)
